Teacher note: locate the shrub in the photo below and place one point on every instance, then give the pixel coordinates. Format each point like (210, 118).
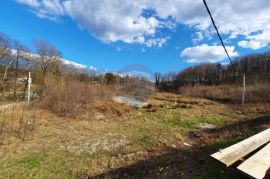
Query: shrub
(72, 98)
(17, 122)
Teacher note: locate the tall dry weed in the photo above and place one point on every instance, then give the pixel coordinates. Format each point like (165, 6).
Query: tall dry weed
(72, 98)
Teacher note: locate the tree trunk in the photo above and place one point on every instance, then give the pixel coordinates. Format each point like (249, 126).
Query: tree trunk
(16, 76)
(4, 78)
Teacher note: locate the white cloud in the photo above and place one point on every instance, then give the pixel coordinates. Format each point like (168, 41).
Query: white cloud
(92, 68)
(45, 16)
(112, 21)
(256, 41)
(159, 42)
(53, 7)
(198, 38)
(122, 20)
(32, 3)
(46, 9)
(35, 57)
(74, 64)
(205, 53)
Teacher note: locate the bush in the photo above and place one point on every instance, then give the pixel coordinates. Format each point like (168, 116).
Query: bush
(72, 98)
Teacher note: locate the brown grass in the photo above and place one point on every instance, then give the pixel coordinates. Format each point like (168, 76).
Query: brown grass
(229, 93)
(16, 123)
(110, 108)
(169, 100)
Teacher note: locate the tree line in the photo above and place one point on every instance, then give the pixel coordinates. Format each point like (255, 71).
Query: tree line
(256, 68)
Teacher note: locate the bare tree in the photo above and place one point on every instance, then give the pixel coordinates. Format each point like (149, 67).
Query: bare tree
(10, 60)
(4, 53)
(21, 52)
(47, 55)
(157, 78)
(4, 46)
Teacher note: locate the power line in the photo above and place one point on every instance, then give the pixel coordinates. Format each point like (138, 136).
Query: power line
(213, 22)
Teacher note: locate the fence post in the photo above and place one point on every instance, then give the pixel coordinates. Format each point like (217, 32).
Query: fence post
(29, 87)
(244, 89)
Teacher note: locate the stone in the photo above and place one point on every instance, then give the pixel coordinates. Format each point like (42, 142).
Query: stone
(206, 126)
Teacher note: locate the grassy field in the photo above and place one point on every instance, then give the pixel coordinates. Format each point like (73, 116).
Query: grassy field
(160, 140)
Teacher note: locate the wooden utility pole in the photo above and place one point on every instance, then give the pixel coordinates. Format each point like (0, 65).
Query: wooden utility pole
(29, 87)
(244, 89)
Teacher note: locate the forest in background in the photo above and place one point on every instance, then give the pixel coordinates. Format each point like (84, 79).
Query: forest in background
(222, 82)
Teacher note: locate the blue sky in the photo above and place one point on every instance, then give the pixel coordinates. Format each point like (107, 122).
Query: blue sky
(164, 35)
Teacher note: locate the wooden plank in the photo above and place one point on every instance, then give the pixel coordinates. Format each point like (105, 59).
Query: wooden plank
(257, 165)
(230, 155)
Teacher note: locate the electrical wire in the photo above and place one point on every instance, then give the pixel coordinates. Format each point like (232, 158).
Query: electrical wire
(213, 22)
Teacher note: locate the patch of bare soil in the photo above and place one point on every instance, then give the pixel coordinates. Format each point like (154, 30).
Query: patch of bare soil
(90, 146)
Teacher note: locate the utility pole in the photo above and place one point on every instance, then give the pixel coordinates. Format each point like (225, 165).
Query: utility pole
(244, 89)
(29, 87)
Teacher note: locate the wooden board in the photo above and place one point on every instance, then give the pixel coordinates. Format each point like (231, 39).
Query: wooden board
(257, 165)
(230, 155)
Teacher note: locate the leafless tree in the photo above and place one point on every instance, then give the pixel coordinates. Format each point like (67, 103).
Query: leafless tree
(157, 77)
(255, 67)
(21, 52)
(4, 46)
(4, 54)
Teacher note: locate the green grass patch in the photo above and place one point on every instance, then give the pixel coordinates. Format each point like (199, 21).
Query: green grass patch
(32, 161)
(143, 139)
(177, 121)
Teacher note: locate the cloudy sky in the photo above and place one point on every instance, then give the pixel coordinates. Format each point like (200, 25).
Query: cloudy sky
(162, 35)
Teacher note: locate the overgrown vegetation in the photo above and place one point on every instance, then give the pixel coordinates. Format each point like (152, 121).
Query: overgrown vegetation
(71, 98)
(164, 142)
(222, 82)
(258, 92)
(19, 124)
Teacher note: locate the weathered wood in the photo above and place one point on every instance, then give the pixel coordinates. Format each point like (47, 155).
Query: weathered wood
(257, 165)
(29, 86)
(244, 89)
(230, 155)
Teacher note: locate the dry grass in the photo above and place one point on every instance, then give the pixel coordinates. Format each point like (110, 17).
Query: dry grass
(110, 108)
(229, 93)
(16, 123)
(169, 100)
(63, 148)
